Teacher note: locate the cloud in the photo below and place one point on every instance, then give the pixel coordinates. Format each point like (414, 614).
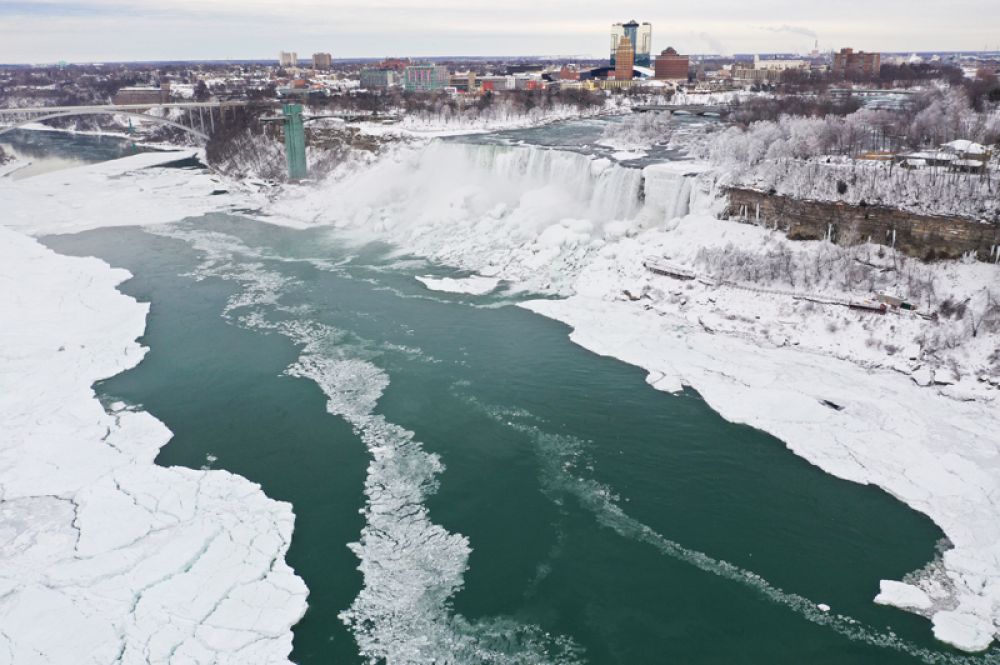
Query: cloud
(114, 30)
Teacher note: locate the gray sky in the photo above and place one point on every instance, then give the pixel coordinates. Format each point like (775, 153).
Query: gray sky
(107, 30)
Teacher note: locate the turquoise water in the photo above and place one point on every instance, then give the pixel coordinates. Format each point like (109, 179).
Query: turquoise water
(608, 522)
(55, 150)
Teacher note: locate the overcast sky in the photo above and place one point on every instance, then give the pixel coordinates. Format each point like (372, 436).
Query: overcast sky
(114, 30)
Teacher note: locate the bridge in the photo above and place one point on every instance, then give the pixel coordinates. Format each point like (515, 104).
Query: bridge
(684, 109)
(291, 119)
(19, 117)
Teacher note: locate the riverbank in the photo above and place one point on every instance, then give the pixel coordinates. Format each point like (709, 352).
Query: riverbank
(562, 224)
(566, 225)
(123, 192)
(125, 560)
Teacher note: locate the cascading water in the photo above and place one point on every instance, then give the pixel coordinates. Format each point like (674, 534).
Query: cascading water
(523, 213)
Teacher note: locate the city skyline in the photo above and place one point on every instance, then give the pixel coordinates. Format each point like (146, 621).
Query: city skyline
(106, 30)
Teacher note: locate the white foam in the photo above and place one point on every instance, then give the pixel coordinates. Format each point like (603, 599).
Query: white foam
(411, 566)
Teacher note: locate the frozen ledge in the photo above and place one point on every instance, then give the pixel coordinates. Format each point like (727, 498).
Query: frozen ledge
(475, 285)
(939, 456)
(130, 191)
(104, 556)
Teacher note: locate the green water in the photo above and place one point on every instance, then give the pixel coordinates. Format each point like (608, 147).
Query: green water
(615, 518)
(55, 150)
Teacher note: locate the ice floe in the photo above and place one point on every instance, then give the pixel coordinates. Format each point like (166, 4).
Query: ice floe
(123, 560)
(476, 285)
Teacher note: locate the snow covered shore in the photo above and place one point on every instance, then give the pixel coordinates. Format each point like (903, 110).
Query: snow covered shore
(833, 384)
(939, 456)
(123, 560)
(121, 192)
(822, 383)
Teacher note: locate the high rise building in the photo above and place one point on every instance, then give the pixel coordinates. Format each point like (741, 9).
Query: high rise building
(424, 78)
(670, 66)
(624, 60)
(378, 78)
(861, 64)
(322, 61)
(641, 38)
(288, 59)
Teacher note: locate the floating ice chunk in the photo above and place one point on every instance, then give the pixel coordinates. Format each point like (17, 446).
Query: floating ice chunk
(106, 556)
(903, 596)
(628, 155)
(962, 630)
(475, 285)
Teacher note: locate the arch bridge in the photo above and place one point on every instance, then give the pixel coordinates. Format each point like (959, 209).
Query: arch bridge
(14, 118)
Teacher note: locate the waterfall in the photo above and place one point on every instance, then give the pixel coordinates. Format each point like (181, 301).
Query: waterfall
(580, 185)
(669, 193)
(449, 193)
(524, 212)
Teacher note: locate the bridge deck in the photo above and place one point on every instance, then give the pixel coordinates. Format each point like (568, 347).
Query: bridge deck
(125, 107)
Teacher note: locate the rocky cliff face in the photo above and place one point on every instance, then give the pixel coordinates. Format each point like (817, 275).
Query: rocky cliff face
(926, 237)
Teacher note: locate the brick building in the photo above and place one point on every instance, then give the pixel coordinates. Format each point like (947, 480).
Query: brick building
(569, 73)
(847, 63)
(670, 66)
(624, 60)
(322, 61)
(143, 95)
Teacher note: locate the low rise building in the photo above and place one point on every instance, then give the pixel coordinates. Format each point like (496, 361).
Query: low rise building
(143, 95)
(849, 63)
(761, 70)
(569, 73)
(497, 83)
(378, 79)
(671, 66)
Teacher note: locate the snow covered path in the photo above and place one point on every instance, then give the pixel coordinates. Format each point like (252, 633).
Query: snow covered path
(104, 556)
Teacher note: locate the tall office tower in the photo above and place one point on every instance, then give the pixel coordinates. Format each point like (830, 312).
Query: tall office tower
(624, 60)
(640, 37)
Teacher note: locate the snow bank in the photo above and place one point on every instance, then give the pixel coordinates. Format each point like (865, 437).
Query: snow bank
(120, 192)
(123, 560)
(476, 285)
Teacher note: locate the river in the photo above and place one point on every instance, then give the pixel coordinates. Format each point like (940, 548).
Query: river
(521, 500)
